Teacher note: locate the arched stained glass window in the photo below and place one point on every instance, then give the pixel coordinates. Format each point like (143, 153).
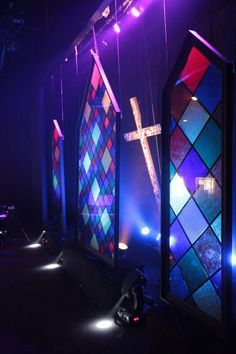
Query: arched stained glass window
(97, 224)
(196, 184)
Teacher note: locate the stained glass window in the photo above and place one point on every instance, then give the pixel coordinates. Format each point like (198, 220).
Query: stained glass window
(97, 174)
(193, 180)
(58, 184)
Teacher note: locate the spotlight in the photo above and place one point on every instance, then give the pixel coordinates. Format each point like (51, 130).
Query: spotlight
(34, 245)
(158, 237)
(135, 12)
(123, 246)
(194, 98)
(171, 241)
(233, 259)
(106, 12)
(104, 324)
(130, 310)
(145, 231)
(52, 266)
(116, 28)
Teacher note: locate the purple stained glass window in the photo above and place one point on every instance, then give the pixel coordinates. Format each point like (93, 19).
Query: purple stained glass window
(97, 187)
(191, 169)
(179, 242)
(193, 180)
(179, 146)
(58, 184)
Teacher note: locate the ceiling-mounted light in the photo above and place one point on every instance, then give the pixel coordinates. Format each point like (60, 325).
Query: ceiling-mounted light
(135, 12)
(116, 28)
(106, 12)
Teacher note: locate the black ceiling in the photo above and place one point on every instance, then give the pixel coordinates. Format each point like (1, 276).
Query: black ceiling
(39, 30)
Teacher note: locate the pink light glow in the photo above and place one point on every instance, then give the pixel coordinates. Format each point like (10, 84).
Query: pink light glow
(116, 28)
(135, 12)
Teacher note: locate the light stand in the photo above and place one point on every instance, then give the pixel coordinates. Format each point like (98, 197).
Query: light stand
(130, 308)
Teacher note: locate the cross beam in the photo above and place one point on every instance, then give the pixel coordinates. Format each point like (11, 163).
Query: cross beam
(142, 134)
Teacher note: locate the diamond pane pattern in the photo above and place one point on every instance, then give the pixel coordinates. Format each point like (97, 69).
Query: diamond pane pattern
(58, 211)
(97, 169)
(193, 120)
(195, 176)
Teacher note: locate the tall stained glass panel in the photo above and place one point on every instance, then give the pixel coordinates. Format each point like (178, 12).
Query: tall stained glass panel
(58, 183)
(97, 225)
(196, 184)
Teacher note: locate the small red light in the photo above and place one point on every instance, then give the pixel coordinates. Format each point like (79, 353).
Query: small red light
(136, 319)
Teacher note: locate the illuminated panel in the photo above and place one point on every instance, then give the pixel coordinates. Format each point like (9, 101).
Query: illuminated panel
(97, 175)
(58, 184)
(193, 214)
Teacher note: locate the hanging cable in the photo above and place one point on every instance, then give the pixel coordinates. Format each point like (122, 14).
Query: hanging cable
(95, 41)
(118, 60)
(62, 97)
(151, 94)
(166, 35)
(76, 60)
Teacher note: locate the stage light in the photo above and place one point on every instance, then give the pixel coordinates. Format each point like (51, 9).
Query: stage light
(194, 98)
(104, 324)
(34, 245)
(145, 231)
(171, 241)
(233, 259)
(106, 12)
(129, 309)
(122, 246)
(52, 266)
(135, 12)
(66, 59)
(158, 237)
(116, 28)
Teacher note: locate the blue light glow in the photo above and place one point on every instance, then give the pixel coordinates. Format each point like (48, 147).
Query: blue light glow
(233, 259)
(171, 241)
(158, 237)
(145, 231)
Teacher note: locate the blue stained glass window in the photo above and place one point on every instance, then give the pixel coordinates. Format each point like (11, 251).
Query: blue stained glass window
(172, 170)
(179, 243)
(208, 301)
(192, 221)
(210, 89)
(216, 280)
(208, 250)
(177, 284)
(179, 194)
(97, 167)
(172, 216)
(216, 226)
(209, 200)
(196, 184)
(191, 169)
(208, 144)
(192, 270)
(193, 120)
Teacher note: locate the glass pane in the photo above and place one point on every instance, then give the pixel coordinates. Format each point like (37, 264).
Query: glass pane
(97, 160)
(195, 176)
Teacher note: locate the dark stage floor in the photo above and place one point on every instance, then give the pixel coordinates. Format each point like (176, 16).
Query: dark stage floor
(46, 312)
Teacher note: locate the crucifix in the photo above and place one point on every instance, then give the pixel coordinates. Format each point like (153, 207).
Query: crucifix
(142, 134)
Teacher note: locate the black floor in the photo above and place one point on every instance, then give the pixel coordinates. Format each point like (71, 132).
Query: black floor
(46, 312)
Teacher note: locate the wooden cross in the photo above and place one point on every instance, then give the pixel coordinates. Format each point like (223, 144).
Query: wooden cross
(142, 134)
